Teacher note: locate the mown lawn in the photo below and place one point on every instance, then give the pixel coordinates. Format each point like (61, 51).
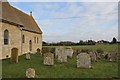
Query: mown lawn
(101, 69)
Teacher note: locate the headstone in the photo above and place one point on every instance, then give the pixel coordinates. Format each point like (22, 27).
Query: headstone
(112, 56)
(48, 59)
(28, 56)
(62, 56)
(83, 60)
(93, 56)
(14, 55)
(69, 52)
(30, 73)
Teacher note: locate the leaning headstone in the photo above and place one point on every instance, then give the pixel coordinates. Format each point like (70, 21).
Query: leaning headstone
(93, 56)
(69, 52)
(30, 73)
(28, 56)
(83, 60)
(112, 57)
(48, 59)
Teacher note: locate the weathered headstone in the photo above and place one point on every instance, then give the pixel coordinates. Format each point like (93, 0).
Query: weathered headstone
(112, 57)
(62, 56)
(28, 56)
(83, 60)
(14, 55)
(69, 52)
(48, 59)
(30, 73)
(93, 56)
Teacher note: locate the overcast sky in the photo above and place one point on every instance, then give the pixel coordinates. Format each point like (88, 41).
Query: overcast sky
(74, 21)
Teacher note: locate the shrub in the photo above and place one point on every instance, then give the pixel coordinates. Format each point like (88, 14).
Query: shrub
(45, 50)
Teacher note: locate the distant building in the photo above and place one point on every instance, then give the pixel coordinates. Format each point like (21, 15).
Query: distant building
(102, 42)
(18, 30)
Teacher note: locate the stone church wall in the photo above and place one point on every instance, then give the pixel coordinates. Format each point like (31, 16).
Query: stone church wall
(35, 44)
(14, 40)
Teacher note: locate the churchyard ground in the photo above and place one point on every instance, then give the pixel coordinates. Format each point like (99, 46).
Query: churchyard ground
(101, 68)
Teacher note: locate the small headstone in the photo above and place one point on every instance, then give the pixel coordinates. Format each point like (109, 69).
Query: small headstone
(92, 56)
(48, 59)
(30, 73)
(28, 56)
(83, 60)
(112, 56)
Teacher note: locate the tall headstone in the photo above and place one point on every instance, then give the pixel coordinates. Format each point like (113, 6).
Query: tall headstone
(61, 54)
(30, 73)
(83, 60)
(14, 55)
(48, 59)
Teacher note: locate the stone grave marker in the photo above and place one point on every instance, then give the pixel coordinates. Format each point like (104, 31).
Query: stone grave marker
(62, 56)
(14, 55)
(30, 73)
(48, 59)
(83, 60)
(28, 56)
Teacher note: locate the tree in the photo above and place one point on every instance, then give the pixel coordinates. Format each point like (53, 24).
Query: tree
(114, 40)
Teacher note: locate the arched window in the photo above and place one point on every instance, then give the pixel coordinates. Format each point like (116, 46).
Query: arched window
(6, 37)
(23, 39)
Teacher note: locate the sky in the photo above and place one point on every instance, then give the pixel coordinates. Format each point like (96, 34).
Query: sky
(74, 21)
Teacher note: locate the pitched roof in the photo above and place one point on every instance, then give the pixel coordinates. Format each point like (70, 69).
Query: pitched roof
(16, 16)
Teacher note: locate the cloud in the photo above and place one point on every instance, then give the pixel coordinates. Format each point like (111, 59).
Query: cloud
(76, 20)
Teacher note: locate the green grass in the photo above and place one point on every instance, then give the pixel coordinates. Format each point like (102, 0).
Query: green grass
(101, 69)
(106, 48)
